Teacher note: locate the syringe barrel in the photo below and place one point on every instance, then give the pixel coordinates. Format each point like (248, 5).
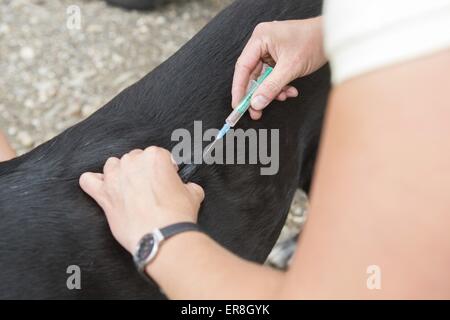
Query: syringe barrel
(243, 106)
(234, 117)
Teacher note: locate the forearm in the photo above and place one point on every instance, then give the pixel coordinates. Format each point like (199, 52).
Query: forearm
(192, 266)
(378, 218)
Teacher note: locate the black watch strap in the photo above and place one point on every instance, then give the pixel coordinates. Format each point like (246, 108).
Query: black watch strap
(176, 228)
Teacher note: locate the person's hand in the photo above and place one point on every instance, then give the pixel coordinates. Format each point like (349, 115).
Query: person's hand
(140, 192)
(294, 47)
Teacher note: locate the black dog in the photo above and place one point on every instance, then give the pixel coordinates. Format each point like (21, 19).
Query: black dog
(47, 223)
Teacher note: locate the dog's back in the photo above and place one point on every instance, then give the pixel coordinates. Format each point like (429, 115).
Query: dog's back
(47, 223)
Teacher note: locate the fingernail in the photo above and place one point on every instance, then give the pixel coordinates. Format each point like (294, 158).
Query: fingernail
(259, 102)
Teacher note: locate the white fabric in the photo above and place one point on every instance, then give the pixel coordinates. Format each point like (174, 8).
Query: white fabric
(364, 35)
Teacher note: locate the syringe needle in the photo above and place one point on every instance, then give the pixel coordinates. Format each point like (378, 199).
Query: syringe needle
(219, 136)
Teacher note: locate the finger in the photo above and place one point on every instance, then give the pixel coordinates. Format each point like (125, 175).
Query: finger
(291, 92)
(253, 77)
(272, 85)
(288, 92)
(161, 158)
(245, 65)
(131, 154)
(197, 192)
(162, 170)
(282, 96)
(255, 74)
(92, 184)
(155, 151)
(255, 114)
(135, 152)
(110, 164)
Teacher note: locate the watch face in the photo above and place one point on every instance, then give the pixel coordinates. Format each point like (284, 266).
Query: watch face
(145, 247)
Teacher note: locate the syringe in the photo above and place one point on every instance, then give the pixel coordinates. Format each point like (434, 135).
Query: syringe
(242, 107)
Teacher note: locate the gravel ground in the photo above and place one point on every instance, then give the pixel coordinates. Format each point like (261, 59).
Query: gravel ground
(53, 75)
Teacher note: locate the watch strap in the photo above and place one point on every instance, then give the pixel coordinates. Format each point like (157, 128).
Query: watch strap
(180, 227)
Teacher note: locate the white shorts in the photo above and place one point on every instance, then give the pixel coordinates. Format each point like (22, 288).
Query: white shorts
(364, 35)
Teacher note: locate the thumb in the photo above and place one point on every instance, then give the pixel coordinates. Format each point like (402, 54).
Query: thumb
(196, 191)
(92, 184)
(271, 87)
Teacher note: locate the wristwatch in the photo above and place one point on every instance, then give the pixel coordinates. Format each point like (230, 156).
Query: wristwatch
(148, 246)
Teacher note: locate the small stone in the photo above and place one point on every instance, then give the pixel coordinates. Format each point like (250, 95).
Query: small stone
(4, 28)
(25, 139)
(60, 126)
(29, 103)
(297, 211)
(27, 53)
(48, 136)
(143, 29)
(46, 89)
(36, 122)
(86, 111)
(160, 20)
(73, 110)
(186, 16)
(12, 131)
(94, 28)
(118, 59)
(298, 220)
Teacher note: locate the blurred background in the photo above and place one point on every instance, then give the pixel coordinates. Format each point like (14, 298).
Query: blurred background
(60, 60)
